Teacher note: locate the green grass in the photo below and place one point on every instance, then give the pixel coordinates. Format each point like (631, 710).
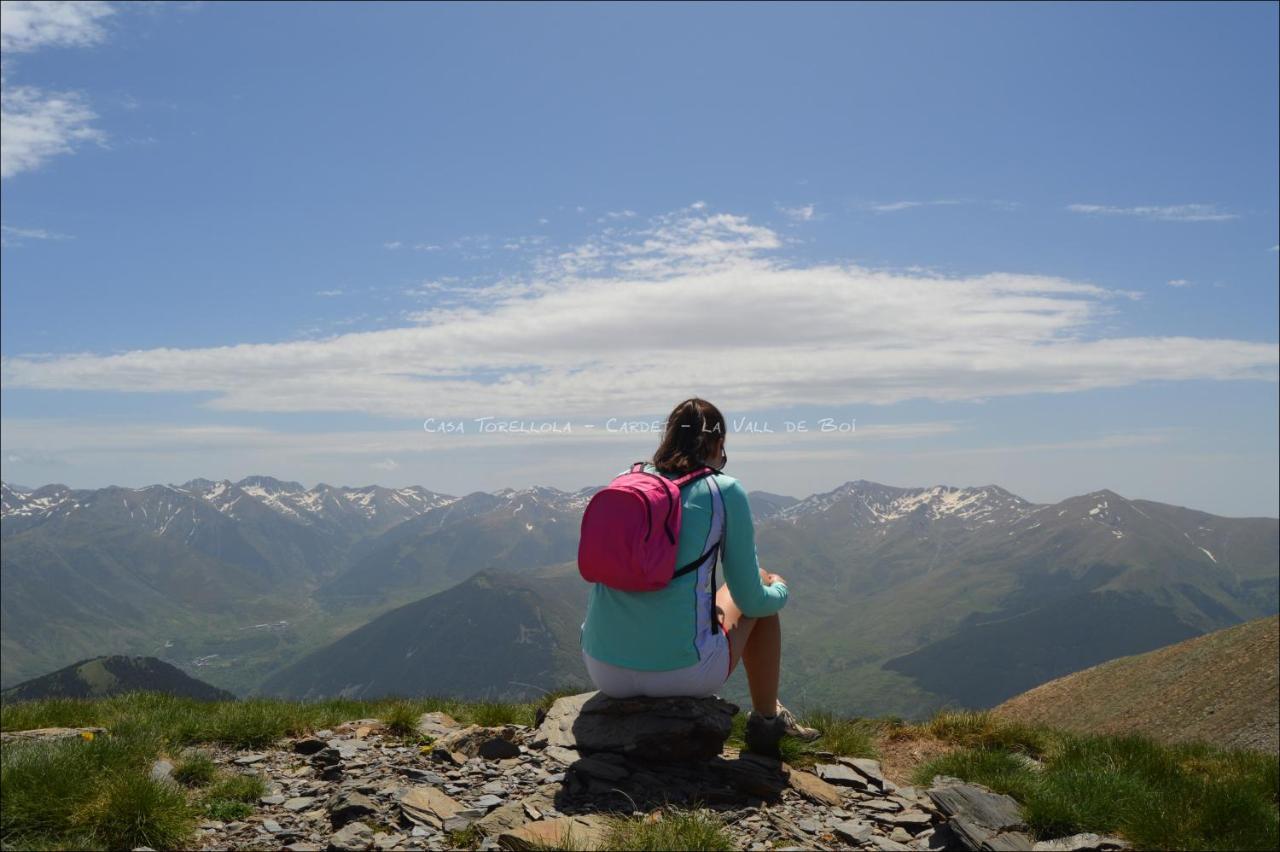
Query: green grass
(227, 810)
(674, 830)
(465, 838)
(195, 769)
(1155, 796)
(848, 737)
(234, 796)
(984, 730)
(401, 719)
(89, 795)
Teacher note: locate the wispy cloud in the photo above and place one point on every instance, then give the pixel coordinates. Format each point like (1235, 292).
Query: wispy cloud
(329, 293)
(764, 331)
(11, 236)
(803, 213)
(392, 244)
(1167, 213)
(36, 124)
(897, 206)
(1179, 282)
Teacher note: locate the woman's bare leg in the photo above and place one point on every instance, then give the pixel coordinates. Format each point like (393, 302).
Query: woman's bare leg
(758, 643)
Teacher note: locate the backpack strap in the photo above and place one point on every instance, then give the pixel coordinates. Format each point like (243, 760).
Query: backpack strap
(692, 477)
(712, 547)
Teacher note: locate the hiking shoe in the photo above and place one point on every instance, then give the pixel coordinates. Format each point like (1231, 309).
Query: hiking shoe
(793, 727)
(763, 735)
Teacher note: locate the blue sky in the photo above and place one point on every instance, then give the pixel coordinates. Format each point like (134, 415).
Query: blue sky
(1031, 245)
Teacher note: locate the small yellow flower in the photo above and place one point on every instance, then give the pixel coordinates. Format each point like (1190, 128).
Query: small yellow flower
(86, 735)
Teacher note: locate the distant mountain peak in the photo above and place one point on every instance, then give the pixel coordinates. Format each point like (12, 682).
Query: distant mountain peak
(270, 484)
(872, 502)
(98, 677)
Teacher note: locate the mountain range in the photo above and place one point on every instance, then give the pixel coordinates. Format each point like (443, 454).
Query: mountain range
(903, 599)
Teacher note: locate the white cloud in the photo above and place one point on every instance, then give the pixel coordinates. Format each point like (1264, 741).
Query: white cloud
(386, 464)
(27, 26)
(1168, 213)
(12, 237)
(329, 293)
(804, 213)
(36, 124)
(392, 244)
(1179, 282)
(691, 302)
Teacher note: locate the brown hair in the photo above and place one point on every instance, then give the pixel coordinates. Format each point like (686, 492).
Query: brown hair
(694, 428)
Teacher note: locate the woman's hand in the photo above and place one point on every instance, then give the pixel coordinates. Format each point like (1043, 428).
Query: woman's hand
(769, 579)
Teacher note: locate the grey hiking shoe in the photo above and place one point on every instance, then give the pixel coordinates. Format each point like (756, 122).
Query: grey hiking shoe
(793, 726)
(764, 733)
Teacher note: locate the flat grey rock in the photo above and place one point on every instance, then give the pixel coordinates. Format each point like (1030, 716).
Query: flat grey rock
(982, 819)
(660, 729)
(355, 837)
(1087, 842)
(853, 831)
(838, 773)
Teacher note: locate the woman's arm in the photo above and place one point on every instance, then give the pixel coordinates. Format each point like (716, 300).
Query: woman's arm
(741, 568)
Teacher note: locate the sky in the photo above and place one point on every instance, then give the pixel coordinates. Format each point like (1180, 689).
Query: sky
(475, 246)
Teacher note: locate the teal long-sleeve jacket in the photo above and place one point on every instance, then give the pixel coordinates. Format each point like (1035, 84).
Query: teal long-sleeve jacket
(656, 631)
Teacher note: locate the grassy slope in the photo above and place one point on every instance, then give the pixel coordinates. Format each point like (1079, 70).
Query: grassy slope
(97, 794)
(1221, 688)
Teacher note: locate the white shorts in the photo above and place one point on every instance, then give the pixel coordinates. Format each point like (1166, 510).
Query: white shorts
(699, 680)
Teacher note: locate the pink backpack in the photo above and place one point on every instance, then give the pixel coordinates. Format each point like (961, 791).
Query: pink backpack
(631, 529)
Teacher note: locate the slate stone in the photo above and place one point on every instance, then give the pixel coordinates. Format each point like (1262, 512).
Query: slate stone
(355, 837)
(308, 746)
(852, 830)
(658, 729)
(428, 806)
(813, 788)
(498, 748)
(1087, 842)
(583, 832)
(982, 819)
(869, 769)
(838, 773)
(348, 806)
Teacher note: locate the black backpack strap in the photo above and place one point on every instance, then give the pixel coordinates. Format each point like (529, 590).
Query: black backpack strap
(697, 563)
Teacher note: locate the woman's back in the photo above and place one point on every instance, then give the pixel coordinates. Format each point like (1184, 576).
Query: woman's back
(664, 629)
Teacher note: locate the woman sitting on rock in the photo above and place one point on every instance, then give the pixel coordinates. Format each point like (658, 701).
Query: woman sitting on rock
(686, 638)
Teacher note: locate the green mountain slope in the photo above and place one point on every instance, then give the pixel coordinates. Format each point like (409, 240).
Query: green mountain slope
(1221, 688)
(101, 677)
(494, 636)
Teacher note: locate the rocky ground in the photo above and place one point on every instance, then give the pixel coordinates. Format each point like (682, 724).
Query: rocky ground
(359, 787)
